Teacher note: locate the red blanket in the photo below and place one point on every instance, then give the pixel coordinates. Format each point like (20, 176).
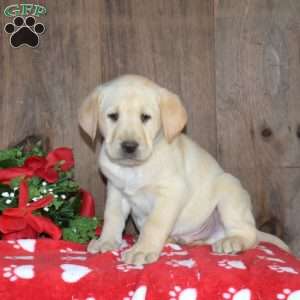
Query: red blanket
(48, 269)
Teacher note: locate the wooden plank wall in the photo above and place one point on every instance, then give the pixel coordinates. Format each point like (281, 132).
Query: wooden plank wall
(235, 64)
(89, 42)
(258, 104)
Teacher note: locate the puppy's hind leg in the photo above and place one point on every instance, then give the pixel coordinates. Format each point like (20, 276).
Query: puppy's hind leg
(234, 206)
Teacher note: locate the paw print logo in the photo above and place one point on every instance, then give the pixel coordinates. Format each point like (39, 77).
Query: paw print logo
(232, 264)
(138, 294)
(24, 32)
(14, 272)
(183, 294)
(233, 294)
(287, 294)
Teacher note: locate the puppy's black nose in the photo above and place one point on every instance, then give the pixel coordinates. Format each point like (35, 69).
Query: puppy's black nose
(129, 147)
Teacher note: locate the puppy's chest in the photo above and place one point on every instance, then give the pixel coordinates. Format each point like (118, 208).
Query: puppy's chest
(131, 183)
(128, 180)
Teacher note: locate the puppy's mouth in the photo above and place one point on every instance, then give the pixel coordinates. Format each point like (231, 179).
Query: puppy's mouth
(128, 160)
(125, 159)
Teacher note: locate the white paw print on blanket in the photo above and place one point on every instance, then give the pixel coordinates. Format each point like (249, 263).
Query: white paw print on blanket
(70, 254)
(14, 272)
(232, 264)
(283, 269)
(138, 294)
(71, 251)
(265, 249)
(287, 294)
(126, 267)
(73, 273)
(274, 259)
(27, 245)
(233, 294)
(177, 250)
(187, 263)
(223, 254)
(183, 294)
(19, 257)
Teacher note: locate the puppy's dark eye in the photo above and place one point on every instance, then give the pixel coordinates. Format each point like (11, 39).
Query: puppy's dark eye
(145, 118)
(113, 116)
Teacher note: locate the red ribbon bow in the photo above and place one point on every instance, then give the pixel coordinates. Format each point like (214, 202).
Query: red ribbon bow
(44, 167)
(19, 222)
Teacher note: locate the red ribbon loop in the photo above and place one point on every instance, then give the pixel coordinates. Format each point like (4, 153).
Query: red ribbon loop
(87, 208)
(20, 219)
(41, 166)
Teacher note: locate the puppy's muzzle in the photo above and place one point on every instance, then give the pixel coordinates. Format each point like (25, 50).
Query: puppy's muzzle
(129, 148)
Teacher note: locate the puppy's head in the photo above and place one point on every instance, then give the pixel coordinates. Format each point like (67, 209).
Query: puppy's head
(130, 112)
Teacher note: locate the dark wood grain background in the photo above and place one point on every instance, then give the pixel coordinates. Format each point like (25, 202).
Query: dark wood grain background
(235, 64)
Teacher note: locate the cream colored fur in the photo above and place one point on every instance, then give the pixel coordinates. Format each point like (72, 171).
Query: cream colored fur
(172, 187)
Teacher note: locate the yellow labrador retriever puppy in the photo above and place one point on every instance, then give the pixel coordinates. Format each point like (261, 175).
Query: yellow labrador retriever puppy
(173, 188)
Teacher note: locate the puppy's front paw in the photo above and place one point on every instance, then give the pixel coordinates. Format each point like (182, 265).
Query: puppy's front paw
(229, 245)
(138, 256)
(96, 246)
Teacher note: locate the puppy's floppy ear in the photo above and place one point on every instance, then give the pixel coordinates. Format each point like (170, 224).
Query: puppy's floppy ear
(173, 114)
(88, 113)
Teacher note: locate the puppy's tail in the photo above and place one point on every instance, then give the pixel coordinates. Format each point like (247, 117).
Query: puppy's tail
(267, 237)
